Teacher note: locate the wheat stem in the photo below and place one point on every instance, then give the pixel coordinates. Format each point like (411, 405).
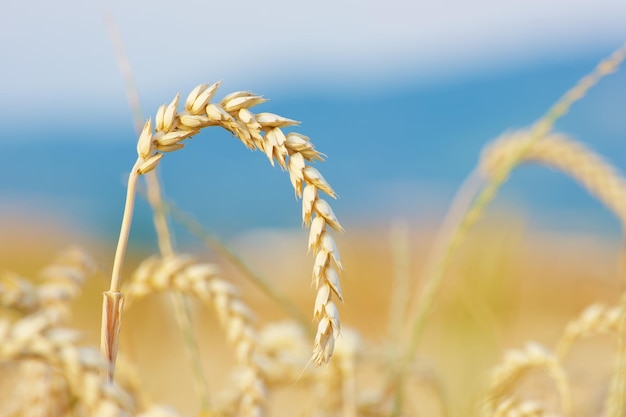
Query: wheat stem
(113, 300)
(164, 237)
(127, 219)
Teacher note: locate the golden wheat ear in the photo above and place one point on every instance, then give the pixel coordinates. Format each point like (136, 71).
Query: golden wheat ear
(73, 371)
(183, 274)
(263, 131)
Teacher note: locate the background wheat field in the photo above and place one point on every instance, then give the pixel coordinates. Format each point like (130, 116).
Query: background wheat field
(340, 222)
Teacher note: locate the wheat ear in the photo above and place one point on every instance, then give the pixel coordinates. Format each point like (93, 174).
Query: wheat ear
(515, 365)
(261, 131)
(181, 273)
(58, 284)
(573, 158)
(36, 336)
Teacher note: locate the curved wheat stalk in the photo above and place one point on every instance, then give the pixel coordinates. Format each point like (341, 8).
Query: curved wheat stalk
(574, 159)
(515, 365)
(263, 131)
(181, 273)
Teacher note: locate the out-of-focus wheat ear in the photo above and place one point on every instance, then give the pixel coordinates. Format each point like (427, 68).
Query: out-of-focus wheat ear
(574, 159)
(595, 319)
(40, 391)
(59, 283)
(181, 273)
(62, 280)
(347, 353)
(284, 348)
(37, 337)
(18, 293)
(515, 366)
(336, 385)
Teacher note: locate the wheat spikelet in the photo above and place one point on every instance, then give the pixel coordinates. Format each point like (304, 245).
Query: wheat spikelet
(515, 365)
(596, 319)
(35, 337)
(563, 153)
(182, 273)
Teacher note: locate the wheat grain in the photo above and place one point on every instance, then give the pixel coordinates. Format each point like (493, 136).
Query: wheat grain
(574, 159)
(182, 273)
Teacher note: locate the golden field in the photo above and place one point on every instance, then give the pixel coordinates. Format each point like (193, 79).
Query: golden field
(507, 286)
